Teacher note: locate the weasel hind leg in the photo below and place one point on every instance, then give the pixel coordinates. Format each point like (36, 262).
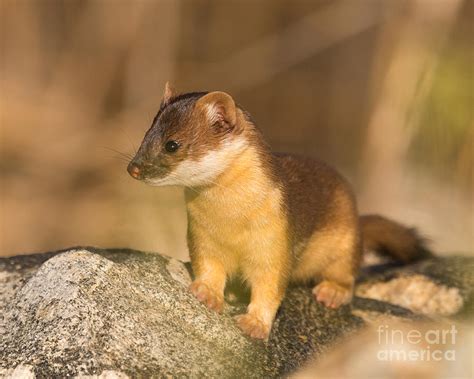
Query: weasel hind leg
(332, 258)
(332, 294)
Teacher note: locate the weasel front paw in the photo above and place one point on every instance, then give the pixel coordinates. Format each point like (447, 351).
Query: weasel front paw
(331, 294)
(207, 296)
(253, 326)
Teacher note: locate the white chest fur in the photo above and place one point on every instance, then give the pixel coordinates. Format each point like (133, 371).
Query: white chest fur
(243, 221)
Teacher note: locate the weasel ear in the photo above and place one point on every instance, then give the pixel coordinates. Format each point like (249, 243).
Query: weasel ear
(168, 93)
(220, 109)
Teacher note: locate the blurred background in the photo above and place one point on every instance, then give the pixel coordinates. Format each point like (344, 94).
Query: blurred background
(380, 89)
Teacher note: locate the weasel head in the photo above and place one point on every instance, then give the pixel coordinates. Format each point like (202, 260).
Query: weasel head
(192, 140)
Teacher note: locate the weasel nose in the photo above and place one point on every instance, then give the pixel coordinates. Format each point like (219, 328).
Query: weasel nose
(133, 170)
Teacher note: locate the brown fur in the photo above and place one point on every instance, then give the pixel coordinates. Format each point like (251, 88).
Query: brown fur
(391, 238)
(272, 218)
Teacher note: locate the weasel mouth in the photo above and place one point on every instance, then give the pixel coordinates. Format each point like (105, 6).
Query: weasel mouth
(148, 173)
(157, 182)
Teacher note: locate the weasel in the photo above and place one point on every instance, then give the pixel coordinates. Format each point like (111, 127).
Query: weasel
(272, 218)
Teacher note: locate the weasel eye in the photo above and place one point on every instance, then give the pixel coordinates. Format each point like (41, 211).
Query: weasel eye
(171, 146)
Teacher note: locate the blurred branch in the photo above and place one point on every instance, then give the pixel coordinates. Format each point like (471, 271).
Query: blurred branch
(419, 36)
(289, 46)
(119, 26)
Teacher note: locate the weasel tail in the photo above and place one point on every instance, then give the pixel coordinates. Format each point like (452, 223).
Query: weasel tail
(390, 238)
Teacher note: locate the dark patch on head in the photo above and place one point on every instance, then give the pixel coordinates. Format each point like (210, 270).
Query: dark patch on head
(187, 98)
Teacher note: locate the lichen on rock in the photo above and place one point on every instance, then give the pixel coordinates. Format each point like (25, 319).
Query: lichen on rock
(417, 293)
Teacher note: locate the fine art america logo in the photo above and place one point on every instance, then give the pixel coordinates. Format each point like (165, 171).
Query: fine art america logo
(416, 345)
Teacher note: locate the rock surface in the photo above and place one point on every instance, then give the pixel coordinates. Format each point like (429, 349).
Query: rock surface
(123, 313)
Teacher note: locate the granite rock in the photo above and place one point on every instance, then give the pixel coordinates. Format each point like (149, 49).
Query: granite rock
(120, 313)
